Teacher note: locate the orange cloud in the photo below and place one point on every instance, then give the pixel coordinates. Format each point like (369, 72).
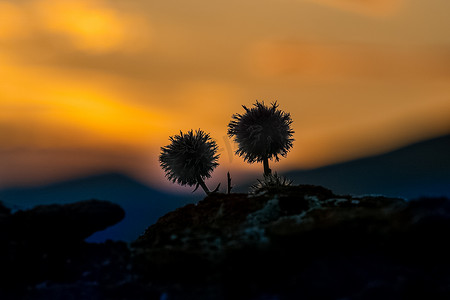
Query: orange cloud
(322, 61)
(90, 26)
(55, 102)
(366, 7)
(12, 21)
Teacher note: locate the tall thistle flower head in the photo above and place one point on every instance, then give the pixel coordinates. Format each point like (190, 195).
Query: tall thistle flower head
(189, 158)
(262, 132)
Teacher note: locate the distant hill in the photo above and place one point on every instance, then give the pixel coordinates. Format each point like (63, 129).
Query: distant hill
(143, 205)
(421, 169)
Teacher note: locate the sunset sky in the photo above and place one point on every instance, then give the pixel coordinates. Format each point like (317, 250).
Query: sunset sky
(92, 86)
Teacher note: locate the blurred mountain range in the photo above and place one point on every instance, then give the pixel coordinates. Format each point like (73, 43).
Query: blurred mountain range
(142, 205)
(421, 169)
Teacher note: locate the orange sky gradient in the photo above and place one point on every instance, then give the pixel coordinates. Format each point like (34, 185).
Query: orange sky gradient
(91, 86)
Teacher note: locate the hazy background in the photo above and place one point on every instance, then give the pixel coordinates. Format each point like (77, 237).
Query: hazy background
(91, 86)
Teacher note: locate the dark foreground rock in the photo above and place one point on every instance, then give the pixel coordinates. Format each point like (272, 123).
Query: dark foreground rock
(46, 243)
(299, 242)
(64, 223)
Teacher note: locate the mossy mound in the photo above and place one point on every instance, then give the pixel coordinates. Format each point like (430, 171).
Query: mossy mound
(301, 242)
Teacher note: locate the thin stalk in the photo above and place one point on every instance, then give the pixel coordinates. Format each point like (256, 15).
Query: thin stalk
(203, 185)
(267, 170)
(229, 183)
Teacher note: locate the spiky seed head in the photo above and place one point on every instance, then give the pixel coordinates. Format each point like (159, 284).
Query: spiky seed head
(261, 132)
(270, 182)
(189, 156)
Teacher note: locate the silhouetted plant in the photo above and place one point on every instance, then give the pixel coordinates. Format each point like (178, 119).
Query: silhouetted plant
(190, 158)
(271, 181)
(262, 133)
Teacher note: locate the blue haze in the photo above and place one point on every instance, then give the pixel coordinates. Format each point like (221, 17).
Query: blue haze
(421, 169)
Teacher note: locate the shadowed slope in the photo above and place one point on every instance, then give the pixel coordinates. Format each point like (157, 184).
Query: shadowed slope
(142, 205)
(421, 169)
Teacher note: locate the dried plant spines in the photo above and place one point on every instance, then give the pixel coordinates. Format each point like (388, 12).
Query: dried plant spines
(189, 158)
(262, 133)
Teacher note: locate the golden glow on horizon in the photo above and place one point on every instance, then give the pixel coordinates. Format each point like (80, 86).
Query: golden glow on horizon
(94, 112)
(89, 85)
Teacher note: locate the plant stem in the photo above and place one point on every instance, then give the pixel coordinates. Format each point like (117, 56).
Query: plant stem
(267, 170)
(229, 182)
(203, 185)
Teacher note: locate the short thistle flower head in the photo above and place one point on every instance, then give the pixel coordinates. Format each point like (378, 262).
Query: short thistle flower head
(189, 157)
(270, 182)
(262, 132)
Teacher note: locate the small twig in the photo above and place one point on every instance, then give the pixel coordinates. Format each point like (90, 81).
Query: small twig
(216, 189)
(196, 187)
(203, 185)
(229, 183)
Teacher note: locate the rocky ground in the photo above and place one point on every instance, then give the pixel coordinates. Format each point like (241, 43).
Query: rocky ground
(297, 242)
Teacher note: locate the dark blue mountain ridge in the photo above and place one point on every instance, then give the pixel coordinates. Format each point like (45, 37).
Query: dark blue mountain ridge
(142, 204)
(420, 169)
